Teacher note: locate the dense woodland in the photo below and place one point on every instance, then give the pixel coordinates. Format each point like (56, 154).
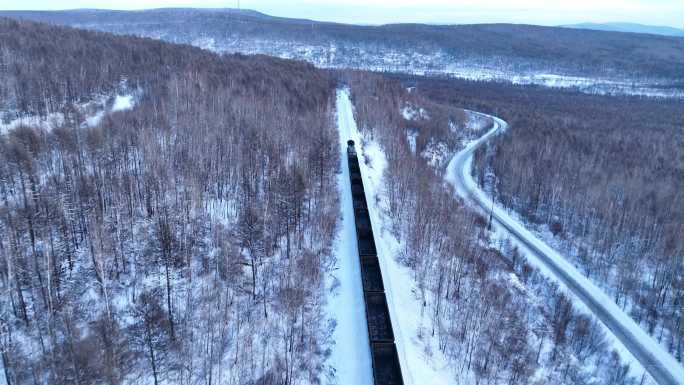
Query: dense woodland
(494, 317)
(520, 48)
(603, 176)
(183, 241)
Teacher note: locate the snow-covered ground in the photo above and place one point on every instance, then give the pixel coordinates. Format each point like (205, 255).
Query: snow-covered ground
(94, 111)
(424, 61)
(350, 358)
(439, 63)
(123, 103)
(410, 112)
(97, 110)
(421, 362)
(632, 342)
(55, 119)
(412, 139)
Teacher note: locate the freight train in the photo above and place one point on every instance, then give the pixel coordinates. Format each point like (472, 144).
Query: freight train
(385, 360)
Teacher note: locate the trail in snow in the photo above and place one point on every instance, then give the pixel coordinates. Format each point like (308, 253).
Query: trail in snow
(635, 341)
(406, 311)
(350, 356)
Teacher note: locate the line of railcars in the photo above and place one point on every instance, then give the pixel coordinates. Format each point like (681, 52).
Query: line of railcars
(385, 360)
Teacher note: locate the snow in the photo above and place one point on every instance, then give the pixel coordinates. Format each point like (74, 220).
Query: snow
(120, 103)
(476, 122)
(410, 112)
(435, 153)
(350, 356)
(97, 109)
(53, 120)
(421, 362)
(222, 211)
(423, 61)
(412, 137)
(590, 85)
(515, 281)
(501, 233)
(658, 356)
(95, 119)
(207, 43)
(441, 63)
(94, 111)
(123, 103)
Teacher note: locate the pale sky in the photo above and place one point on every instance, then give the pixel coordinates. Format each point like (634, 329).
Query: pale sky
(544, 12)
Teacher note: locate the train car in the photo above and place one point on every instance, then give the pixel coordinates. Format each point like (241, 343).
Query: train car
(378, 317)
(385, 360)
(360, 203)
(367, 246)
(386, 368)
(351, 150)
(371, 277)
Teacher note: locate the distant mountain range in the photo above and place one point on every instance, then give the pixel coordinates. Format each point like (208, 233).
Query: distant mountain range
(522, 54)
(630, 27)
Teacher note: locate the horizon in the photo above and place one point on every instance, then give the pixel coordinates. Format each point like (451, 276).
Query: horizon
(660, 13)
(572, 24)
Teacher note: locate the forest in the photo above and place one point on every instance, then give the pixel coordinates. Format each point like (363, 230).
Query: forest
(184, 237)
(602, 177)
(495, 318)
(183, 240)
(514, 47)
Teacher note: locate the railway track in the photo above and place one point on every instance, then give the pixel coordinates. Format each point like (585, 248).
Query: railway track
(385, 360)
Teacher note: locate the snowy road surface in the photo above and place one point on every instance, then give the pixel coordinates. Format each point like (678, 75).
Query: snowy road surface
(659, 363)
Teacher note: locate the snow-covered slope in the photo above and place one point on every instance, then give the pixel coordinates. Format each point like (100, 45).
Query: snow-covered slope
(660, 364)
(591, 61)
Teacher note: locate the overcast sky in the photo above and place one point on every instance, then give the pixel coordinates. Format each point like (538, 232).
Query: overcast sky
(545, 12)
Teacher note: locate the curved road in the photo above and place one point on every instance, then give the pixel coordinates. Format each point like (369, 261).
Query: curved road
(660, 364)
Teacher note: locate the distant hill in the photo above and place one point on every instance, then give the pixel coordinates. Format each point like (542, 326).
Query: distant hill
(527, 54)
(630, 27)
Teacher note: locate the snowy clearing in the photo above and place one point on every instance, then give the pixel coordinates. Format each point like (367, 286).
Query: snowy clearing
(94, 111)
(53, 120)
